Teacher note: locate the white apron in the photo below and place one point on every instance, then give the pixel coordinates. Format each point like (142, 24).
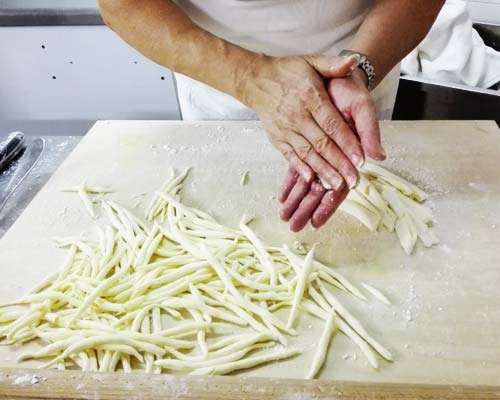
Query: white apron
(276, 28)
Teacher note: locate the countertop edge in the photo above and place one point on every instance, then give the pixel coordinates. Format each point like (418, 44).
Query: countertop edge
(10, 17)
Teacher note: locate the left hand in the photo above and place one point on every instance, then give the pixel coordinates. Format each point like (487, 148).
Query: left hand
(301, 201)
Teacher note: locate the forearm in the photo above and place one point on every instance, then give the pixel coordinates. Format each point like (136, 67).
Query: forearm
(392, 29)
(161, 31)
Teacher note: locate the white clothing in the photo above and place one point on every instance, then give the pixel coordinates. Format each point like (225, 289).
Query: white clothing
(277, 28)
(454, 52)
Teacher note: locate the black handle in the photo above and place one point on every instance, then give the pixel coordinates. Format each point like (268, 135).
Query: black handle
(10, 148)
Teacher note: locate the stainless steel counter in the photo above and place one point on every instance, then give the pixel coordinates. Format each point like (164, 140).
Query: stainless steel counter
(46, 127)
(57, 147)
(49, 12)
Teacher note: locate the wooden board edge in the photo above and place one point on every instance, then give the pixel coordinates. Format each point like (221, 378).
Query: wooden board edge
(16, 383)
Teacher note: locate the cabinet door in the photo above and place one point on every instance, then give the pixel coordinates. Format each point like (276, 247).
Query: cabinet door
(79, 72)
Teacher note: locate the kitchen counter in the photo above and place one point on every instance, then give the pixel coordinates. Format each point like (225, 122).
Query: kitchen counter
(60, 137)
(443, 319)
(49, 12)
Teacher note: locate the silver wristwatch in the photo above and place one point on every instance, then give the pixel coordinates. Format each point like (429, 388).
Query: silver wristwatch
(365, 65)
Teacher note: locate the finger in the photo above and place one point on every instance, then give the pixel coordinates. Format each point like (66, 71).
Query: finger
(307, 207)
(328, 205)
(330, 152)
(288, 184)
(350, 123)
(293, 200)
(334, 66)
(365, 118)
(304, 170)
(331, 121)
(307, 152)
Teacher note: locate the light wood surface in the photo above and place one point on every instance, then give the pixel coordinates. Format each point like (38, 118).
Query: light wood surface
(19, 384)
(444, 321)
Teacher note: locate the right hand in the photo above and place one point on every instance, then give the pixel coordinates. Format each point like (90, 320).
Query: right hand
(290, 98)
(303, 201)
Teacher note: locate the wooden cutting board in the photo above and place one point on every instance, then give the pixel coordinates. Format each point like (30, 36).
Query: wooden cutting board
(444, 322)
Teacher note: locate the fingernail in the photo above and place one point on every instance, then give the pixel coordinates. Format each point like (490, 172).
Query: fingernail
(308, 176)
(357, 160)
(352, 181)
(335, 182)
(352, 57)
(383, 153)
(294, 228)
(284, 215)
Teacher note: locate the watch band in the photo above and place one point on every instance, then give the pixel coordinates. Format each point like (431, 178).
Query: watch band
(365, 65)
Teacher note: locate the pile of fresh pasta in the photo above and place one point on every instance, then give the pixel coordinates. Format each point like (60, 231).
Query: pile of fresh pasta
(178, 292)
(385, 199)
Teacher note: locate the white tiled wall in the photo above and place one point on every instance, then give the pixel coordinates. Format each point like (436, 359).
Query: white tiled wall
(81, 72)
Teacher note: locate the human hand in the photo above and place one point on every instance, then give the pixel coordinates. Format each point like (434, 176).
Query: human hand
(301, 201)
(353, 100)
(290, 97)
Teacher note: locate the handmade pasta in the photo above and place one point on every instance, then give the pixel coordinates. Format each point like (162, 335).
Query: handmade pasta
(166, 294)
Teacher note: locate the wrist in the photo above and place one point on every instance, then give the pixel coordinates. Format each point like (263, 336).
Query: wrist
(360, 77)
(364, 66)
(247, 72)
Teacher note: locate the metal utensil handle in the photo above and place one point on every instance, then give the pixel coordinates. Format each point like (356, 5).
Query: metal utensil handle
(31, 158)
(10, 148)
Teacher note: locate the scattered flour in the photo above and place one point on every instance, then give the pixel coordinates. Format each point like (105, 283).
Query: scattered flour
(28, 379)
(480, 187)
(445, 249)
(410, 313)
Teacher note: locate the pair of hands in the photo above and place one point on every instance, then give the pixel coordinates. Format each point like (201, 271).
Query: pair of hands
(318, 112)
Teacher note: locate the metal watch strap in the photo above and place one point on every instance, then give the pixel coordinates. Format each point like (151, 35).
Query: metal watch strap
(365, 65)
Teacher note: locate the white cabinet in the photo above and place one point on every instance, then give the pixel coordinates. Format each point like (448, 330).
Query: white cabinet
(79, 72)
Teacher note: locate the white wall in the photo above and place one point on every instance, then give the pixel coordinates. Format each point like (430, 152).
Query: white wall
(97, 76)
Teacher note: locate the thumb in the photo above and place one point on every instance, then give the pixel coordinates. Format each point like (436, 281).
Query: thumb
(334, 66)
